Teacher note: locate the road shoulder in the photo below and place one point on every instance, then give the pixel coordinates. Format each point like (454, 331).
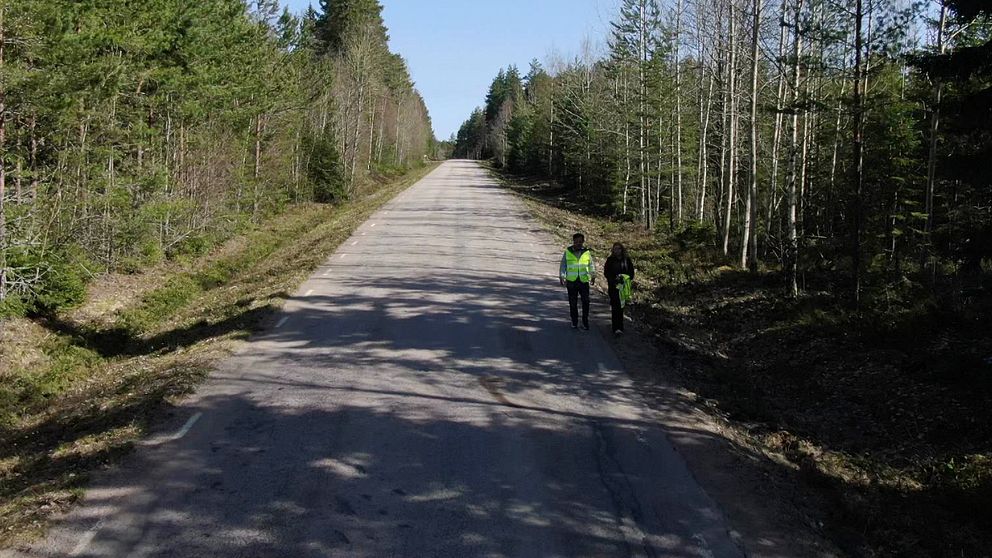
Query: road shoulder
(125, 369)
(760, 493)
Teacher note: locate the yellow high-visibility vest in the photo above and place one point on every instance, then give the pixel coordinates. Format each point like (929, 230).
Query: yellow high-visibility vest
(625, 287)
(579, 267)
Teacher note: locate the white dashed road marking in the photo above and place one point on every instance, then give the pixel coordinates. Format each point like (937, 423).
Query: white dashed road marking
(282, 322)
(186, 427)
(87, 539)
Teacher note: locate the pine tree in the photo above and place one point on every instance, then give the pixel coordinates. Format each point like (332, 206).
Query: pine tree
(340, 21)
(141, 130)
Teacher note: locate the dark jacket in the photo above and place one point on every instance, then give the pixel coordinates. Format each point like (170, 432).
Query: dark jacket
(615, 266)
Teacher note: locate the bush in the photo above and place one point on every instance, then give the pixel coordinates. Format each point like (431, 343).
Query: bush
(62, 283)
(194, 245)
(212, 277)
(63, 287)
(69, 361)
(160, 304)
(696, 236)
(13, 306)
(326, 171)
(389, 171)
(151, 252)
(10, 404)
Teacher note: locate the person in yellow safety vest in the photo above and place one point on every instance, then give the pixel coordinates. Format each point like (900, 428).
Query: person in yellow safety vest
(576, 273)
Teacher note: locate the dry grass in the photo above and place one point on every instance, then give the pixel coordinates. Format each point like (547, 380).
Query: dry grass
(110, 294)
(20, 347)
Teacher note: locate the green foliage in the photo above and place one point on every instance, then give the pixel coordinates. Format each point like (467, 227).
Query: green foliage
(68, 362)
(962, 223)
(13, 306)
(634, 133)
(145, 130)
(326, 170)
(341, 20)
(162, 303)
(471, 139)
(389, 171)
(159, 304)
(518, 137)
(61, 284)
(696, 236)
(193, 245)
(214, 276)
(506, 89)
(973, 473)
(63, 287)
(150, 252)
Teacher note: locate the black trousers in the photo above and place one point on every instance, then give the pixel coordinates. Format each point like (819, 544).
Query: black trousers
(616, 308)
(575, 290)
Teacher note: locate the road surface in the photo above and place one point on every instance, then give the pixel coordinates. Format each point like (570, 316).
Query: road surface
(422, 395)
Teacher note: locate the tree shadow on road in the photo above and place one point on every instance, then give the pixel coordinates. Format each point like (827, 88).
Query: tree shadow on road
(304, 482)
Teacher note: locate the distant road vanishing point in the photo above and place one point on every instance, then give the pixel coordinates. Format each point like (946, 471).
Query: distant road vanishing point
(421, 395)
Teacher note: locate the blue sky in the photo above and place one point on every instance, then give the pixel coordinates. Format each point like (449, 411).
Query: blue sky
(455, 47)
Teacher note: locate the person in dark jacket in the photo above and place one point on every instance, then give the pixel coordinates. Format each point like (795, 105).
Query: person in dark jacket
(618, 263)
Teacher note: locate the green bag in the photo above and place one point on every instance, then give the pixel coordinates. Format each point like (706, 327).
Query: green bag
(625, 287)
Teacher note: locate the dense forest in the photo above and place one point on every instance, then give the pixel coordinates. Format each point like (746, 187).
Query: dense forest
(844, 142)
(132, 132)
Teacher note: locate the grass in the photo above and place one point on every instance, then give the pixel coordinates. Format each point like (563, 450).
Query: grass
(882, 410)
(77, 391)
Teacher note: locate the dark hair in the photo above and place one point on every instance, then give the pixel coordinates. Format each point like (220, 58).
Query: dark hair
(623, 250)
(577, 236)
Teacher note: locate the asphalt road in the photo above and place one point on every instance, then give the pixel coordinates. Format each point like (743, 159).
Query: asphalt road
(422, 395)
